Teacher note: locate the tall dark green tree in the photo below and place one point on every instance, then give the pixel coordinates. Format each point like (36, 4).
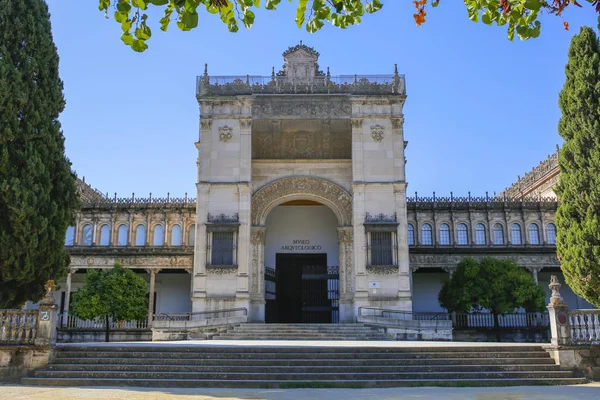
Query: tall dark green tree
(578, 216)
(38, 194)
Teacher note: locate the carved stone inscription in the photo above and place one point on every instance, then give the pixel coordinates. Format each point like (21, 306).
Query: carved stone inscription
(294, 139)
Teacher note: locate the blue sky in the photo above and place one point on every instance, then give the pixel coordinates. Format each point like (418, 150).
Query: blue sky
(480, 109)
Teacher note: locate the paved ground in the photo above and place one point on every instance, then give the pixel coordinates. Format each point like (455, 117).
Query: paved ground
(581, 392)
(303, 343)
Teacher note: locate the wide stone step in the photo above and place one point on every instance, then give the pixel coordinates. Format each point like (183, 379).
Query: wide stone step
(270, 349)
(194, 383)
(298, 337)
(84, 363)
(336, 375)
(324, 369)
(301, 355)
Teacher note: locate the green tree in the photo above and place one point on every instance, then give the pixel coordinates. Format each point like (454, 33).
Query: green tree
(116, 294)
(519, 16)
(578, 191)
(492, 284)
(38, 195)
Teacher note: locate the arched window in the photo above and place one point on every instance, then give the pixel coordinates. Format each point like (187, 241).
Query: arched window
(122, 235)
(192, 236)
(480, 234)
(498, 234)
(105, 235)
(176, 235)
(516, 234)
(551, 233)
(463, 234)
(70, 236)
(411, 235)
(444, 234)
(140, 235)
(87, 235)
(159, 236)
(426, 237)
(534, 234)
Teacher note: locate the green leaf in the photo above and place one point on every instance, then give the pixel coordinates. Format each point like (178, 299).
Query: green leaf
(127, 38)
(158, 2)
(374, 6)
(143, 32)
(188, 21)
(123, 6)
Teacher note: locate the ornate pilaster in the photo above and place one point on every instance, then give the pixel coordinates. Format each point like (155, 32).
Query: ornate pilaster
(257, 240)
(345, 244)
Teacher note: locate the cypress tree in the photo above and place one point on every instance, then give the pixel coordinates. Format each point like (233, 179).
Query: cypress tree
(38, 194)
(578, 216)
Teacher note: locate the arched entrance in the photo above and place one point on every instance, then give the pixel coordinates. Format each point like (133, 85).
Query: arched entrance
(301, 238)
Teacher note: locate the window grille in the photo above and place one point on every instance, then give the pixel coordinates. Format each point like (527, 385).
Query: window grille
(87, 235)
(222, 248)
(122, 234)
(381, 248)
(444, 234)
(70, 236)
(105, 235)
(480, 234)
(140, 235)
(463, 234)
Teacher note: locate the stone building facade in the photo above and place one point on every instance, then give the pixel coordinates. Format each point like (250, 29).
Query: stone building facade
(301, 212)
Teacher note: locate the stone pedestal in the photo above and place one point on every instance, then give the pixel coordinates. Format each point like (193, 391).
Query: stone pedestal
(557, 310)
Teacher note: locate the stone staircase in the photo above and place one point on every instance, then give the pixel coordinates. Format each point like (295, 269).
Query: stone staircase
(301, 332)
(271, 365)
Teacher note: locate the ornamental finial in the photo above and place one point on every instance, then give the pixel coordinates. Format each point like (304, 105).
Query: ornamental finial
(555, 286)
(49, 298)
(205, 69)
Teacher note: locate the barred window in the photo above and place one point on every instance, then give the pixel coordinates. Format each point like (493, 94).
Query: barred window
(480, 234)
(70, 236)
(444, 234)
(140, 235)
(411, 235)
(498, 234)
(122, 235)
(534, 234)
(381, 248)
(105, 235)
(426, 236)
(463, 234)
(551, 233)
(222, 248)
(176, 235)
(87, 235)
(516, 234)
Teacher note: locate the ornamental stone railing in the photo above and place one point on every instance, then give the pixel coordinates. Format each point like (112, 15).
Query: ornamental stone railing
(584, 326)
(100, 323)
(479, 202)
(207, 86)
(106, 202)
(571, 327)
(18, 326)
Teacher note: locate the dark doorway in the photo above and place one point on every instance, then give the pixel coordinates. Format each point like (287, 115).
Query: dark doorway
(303, 290)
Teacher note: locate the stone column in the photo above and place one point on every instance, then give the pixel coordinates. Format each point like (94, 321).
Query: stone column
(534, 273)
(151, 289)
(48, 318)
(557, 310)
(65, 319)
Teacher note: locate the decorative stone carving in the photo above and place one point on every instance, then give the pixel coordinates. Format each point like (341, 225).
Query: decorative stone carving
(357, 123)
(555, 297)
(301, 145)
(382, 269)
(397, 123)
(132, 261)
(206, 124)
(258, 236)
(257, 239)
(451, 260)
(316, 189)
(225, 133)
(313, 109)
(245, 123)
(48, 298)
(377, 132)
(221, 270)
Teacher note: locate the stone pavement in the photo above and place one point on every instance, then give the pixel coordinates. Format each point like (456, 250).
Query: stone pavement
(580, 392)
